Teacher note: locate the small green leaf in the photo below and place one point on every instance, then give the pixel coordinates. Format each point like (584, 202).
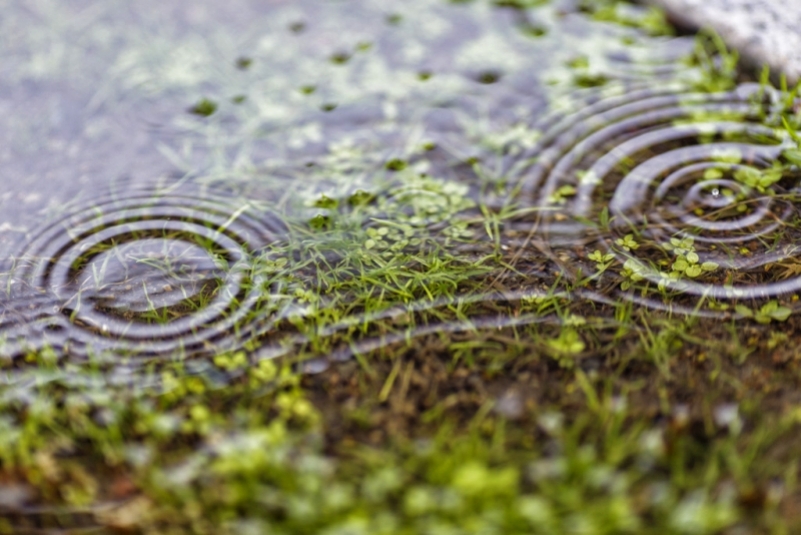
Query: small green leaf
(604, 217)
(396, 165)
(681, 264)
(781, 313)
(769, 307)
(628, 242)
(693, 271)
(793, 156)
(747, 175)
(326, 202)
(360, 198)
(762, 318)
(569, 341)
(320, 221)
(770, 177)
(204, 108)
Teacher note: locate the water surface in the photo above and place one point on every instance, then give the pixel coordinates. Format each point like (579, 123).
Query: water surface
(265, 176)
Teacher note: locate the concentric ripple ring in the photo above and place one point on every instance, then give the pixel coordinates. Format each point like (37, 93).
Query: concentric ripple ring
(670, 164)
(198, 252)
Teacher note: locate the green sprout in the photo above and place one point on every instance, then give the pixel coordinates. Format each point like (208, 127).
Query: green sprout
(771, 311)
(391, 237)
(628, 242)
(688, 265)
(680, 246)
(759, 179)
(687, 262)
(602, 261)
(632, 273)
(561, 195)
(568, 342)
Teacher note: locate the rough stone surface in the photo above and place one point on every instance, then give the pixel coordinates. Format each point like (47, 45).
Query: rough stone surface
(764, 31)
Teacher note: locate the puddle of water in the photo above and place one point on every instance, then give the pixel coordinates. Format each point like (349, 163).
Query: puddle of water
(143, 272)
(199, 179)
(657, 162)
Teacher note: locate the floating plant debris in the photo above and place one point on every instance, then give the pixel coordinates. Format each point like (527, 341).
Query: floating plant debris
(244, 63)
(489, 77)
(204, 108)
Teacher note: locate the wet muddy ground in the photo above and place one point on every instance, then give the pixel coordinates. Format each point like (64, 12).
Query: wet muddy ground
(370, 267)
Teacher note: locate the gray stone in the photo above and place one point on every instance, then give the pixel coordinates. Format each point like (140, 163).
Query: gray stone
(766, 32)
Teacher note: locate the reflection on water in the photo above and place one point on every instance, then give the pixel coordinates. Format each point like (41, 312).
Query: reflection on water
(191, 179)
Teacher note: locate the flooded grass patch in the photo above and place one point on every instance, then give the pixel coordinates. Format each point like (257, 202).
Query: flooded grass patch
(512, 267)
